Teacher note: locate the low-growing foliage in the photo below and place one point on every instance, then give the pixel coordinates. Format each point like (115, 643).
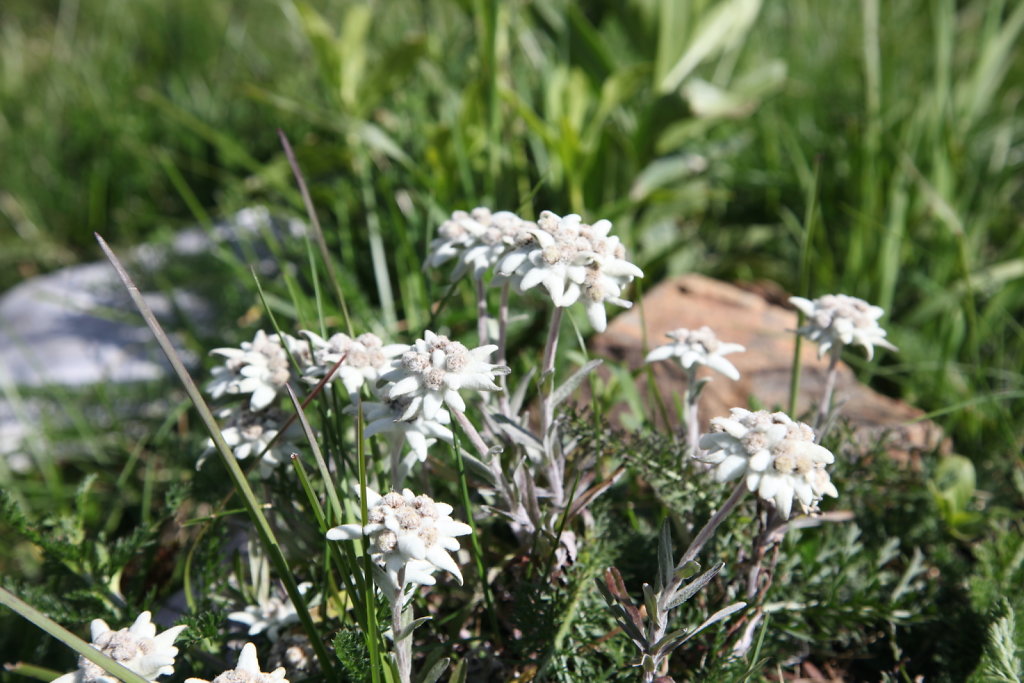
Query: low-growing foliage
(702, 130)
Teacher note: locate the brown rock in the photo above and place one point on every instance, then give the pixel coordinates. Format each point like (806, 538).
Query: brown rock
(765, 329)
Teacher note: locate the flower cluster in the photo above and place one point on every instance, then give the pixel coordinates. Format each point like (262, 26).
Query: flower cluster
(361, 359)
(271, 614)
(698, 347)
(478, 239)
(837, 320)
(408, 532)
(137, 648)
(418, 433)
(433, 370)
(259, 368)
(574, 262)
(777, 455)
(250, 433)
(247, 670)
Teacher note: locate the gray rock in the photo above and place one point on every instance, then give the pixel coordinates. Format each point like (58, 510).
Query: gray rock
(78, 327)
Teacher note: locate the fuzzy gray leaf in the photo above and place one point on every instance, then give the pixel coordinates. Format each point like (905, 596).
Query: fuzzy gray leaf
(410, 627)
(690, 589)
(569, 386)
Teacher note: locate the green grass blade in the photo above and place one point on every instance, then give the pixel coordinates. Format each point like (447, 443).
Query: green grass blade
(252, 505)
(65, 636)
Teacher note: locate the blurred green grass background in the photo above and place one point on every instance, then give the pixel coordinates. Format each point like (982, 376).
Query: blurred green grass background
(717, 136)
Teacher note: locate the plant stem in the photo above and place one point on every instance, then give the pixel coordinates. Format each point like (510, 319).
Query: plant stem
(397, 469)
(493, 462)
(692, 424)
(400, 618)
(551, 345)
(471, 433)
(482, 314)
(705, 534)
(547, 376)
(830, 385)
(474, 538)
(503, 405)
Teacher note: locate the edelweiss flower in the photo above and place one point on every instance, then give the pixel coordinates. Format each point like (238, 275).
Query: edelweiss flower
(259, 367)
(478, 239)
(408, 532)
(573, 261)
(838, 320)
(246, 671)
(137, 648)
(362, 359)
(777, 455)
(273, 613)
(698, 347)
(433, 370)
(249, 433)
(419, 433)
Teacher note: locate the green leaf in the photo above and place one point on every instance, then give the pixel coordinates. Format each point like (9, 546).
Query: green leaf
(434, 672)
(721, 29)
(666, 561)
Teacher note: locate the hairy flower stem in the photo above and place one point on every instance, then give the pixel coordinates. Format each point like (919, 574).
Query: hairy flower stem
(503, 404)
(692, 424)
(759, 580)
(547, 409)
(703, 536)
(551, 346)
(471, 433)
(397, 468)
(830, 385)
(492, 461)
(401, 616)
(482, 315)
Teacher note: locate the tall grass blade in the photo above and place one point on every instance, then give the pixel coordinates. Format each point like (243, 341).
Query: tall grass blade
(318, 233)
(252, 505)
(83, 648)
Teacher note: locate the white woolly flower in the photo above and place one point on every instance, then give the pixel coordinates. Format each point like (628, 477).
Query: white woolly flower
(249, 433)
(433, 370)
(698, 347)
(418, 433)
(246, 671)
(137, 648)
(408, 532)
(478, 239)
(839, 320)
(362, 359)
(777, 455)
(574, 262)
(271, 614)
(259, 367)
